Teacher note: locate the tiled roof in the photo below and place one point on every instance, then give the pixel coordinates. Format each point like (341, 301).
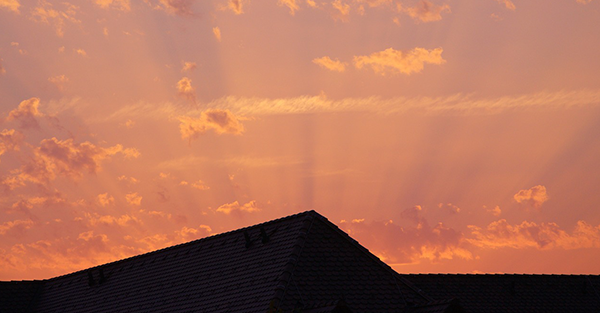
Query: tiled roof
(514, 292)
(18, 296)
(289, 263)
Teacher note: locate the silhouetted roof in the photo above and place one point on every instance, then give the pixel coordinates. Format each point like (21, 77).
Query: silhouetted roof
(514, 292)
(298, 262)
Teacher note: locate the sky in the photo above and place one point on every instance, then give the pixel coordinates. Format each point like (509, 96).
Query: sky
(446, 136)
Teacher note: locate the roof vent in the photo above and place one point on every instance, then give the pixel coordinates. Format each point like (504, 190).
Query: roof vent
(247, 237)
(263, 235)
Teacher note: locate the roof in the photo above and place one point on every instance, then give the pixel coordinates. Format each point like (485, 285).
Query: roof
(300, 262)
(514, 292)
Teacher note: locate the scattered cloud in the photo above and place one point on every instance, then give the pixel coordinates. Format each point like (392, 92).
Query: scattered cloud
(501, 234)
(200, 185)
(128, 180)
(396, 244)
(81, 52)
(10, 139)
(105, 200)
(249, 207)
(189, 233)
(342, 10)
(534, 196)
(220, 121)
(178, 7)
(26, 114)
(394, 61)
(237, 6)
(425, 11)
(510, 5)
(449, 207)
(11, 5)
(45, 13)
(60, 158)
(217, 33)
(185, 89)
(332, 65)
(188, 67)
(291, 4)
(59, 81)
(122, 5)
(17, 226)
(495, 211)
(2, 70)
(133, 199)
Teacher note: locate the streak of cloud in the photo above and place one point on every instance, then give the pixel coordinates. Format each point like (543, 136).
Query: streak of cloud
(217, 33)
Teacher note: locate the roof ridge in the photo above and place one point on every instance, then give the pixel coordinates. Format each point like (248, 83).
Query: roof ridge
(177, 246)
(288, 270)
(500, 274)
(373, 257)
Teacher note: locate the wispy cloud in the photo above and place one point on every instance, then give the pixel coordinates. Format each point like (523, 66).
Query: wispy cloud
(220, 121)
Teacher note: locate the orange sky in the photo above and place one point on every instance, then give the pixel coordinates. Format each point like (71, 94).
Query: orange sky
(444, 135)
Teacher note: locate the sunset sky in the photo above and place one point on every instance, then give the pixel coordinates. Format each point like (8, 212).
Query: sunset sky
(446, 136)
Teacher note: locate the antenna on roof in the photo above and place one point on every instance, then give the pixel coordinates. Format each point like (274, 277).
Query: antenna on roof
(263, 235)
(247, 237)
(91, 280)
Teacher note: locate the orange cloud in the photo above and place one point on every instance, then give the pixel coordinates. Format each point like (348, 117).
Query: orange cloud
(236, 6)
(220, 121)
(394, 61)
(10, 139)
(200, 185)
(217, 33)
(343, 10)
(60, 157)
(187, 233)
(425, 11)
(495, 211)
(133, 199)
(44, 13)
(104, 199)
(26, 114)
(584, 1)
(123, 220)
(2, 70)
(332, 65)
(17, 226)
(81, 52)
(510, 5)
(178, 7)
(375, 3)
(395, 244)
(500, 234)
(185, 89)
(449, 207)
(188, 66)
(291, 4)
(534, 196)
(249, 207)
(11, 5)
(122, 5)
(59, 81)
